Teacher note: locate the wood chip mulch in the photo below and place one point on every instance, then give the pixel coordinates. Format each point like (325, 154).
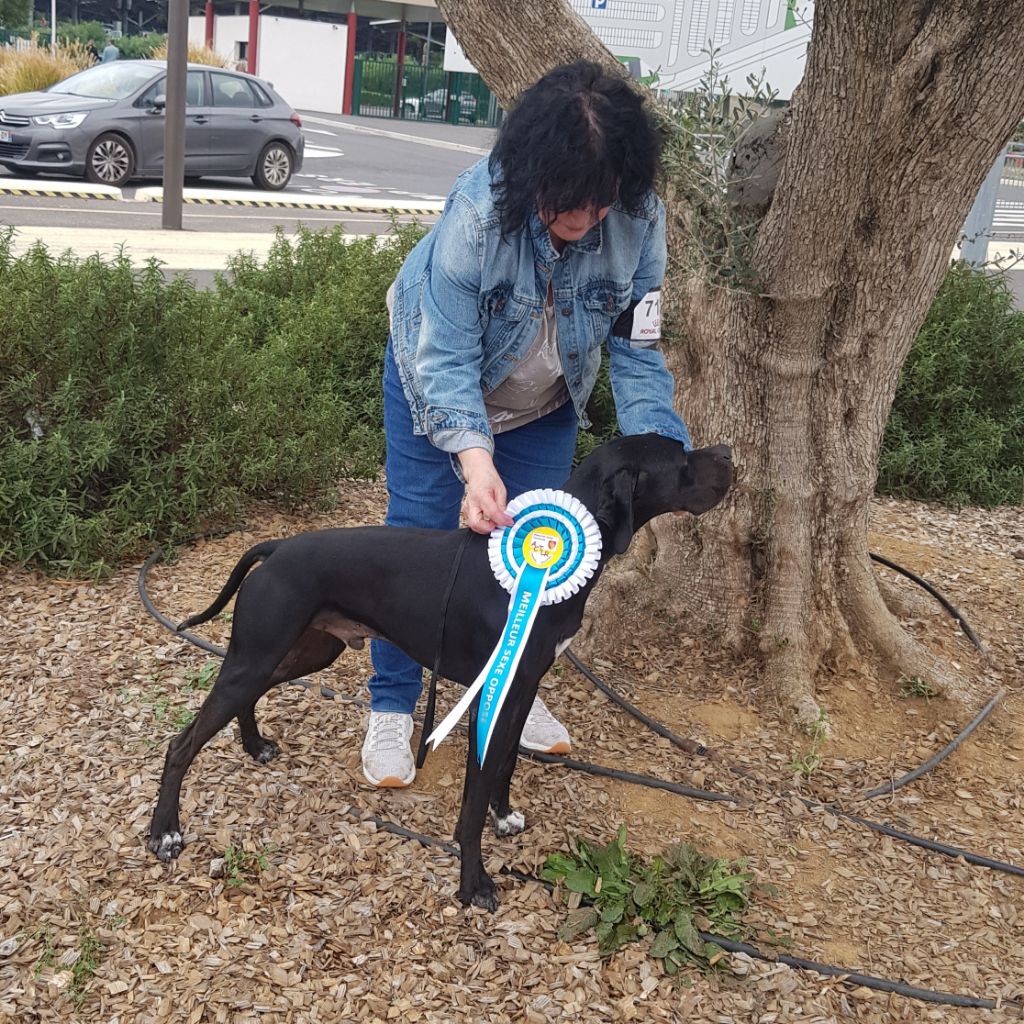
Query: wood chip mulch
(346, 922)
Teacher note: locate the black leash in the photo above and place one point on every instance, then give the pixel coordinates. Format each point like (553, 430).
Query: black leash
(428, 717)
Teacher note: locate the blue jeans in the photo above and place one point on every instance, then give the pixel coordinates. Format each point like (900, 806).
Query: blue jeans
(423, 490)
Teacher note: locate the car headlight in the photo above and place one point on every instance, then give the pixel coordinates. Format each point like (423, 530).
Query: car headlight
(72, 120)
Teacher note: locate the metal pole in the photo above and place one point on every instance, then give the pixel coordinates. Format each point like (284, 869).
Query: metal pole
(53, 28)
(252, 47)
(977, 229)
(174, 112)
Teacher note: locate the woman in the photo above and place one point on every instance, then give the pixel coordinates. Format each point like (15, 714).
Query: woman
(545, 250)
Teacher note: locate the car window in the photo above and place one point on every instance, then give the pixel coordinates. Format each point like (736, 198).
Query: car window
(112, 81)
(229, 91)
(261, 96)
(195, 91)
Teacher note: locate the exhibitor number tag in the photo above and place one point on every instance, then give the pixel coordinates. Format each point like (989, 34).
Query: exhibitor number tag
(647, 320)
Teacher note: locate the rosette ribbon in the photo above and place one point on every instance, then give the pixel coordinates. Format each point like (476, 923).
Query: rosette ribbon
(546, 556)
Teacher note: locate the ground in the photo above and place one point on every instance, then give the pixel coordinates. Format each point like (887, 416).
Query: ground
(346, 922)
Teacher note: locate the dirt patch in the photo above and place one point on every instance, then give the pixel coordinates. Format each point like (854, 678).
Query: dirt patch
(325, 917)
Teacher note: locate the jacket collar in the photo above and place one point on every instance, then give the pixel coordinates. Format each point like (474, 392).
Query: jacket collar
(591, 242)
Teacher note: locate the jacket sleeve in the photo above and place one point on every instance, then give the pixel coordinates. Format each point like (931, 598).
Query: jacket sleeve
(641, 383)
(449, 351)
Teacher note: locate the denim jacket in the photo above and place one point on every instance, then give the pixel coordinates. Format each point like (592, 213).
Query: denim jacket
(467, 307)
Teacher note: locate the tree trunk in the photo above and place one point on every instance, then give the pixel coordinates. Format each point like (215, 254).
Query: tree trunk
(901, 112)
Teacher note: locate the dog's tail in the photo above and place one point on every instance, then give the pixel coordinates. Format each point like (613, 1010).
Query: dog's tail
(245, 563)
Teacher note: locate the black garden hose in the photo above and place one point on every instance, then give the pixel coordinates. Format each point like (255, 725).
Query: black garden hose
(934, 591)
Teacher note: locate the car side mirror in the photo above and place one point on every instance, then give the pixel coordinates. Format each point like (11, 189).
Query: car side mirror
(159, 102)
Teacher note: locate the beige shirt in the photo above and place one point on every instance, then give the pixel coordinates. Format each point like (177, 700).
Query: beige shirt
(536, 386)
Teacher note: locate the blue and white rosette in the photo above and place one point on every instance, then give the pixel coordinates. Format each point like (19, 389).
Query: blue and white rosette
(546, 556)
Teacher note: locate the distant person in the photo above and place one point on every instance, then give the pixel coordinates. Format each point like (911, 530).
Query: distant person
(94, 54)
(110, 52)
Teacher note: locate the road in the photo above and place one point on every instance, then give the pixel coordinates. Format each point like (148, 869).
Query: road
(356, 157)
(368, 157)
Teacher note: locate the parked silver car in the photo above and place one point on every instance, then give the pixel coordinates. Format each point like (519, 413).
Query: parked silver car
(107, 123)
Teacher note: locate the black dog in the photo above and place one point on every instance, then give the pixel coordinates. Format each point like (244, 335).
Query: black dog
(318, 591)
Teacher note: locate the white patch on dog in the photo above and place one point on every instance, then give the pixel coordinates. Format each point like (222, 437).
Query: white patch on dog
(171, 844)
(562, 644)
(511, 825)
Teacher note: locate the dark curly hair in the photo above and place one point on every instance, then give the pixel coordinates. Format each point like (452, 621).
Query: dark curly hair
(577, 138)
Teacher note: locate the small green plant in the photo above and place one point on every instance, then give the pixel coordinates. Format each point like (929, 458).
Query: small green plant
(808, 761)
(182, 717)
(243, 866)
(707, 123)
(201, 678)
(671, 899)
(160, 707)
(915, 686)
(84, 967)
(48, 957)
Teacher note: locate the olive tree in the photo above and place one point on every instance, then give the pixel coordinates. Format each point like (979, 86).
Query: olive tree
(790, 316)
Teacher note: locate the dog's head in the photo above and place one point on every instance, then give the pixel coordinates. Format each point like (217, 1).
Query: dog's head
(630, 480)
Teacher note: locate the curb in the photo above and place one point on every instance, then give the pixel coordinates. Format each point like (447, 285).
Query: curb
(292, 201)
(33, 187)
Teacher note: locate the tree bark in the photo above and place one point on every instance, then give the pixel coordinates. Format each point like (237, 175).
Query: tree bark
(902, 110)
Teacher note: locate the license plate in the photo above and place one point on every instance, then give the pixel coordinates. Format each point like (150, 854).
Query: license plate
(6, 136)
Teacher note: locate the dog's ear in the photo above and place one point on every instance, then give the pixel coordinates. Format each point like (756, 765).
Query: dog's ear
(615, 510)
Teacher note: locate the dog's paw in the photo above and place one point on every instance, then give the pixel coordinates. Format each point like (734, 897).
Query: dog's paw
(263, 751)
(166, 846)
(484, 897)
(511, 825)
(486, 901)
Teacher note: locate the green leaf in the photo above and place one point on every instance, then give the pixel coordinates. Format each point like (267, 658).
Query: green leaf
(578, 922)
(613, 912)
(581, 880)
(643, 893)
(664, 942)
(687, 933)
(557, 866)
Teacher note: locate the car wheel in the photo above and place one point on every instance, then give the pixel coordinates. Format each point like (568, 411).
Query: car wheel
(110, 160)
(274, 167)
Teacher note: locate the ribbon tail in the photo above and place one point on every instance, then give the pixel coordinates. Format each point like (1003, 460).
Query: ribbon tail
(535, 579)
(453, 716)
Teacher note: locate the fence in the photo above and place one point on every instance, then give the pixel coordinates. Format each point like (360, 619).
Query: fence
(13, 42)
(427, 94)
(1013, 168)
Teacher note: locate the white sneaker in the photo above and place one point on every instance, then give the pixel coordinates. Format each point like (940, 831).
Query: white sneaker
(387, 754)
(543, 732)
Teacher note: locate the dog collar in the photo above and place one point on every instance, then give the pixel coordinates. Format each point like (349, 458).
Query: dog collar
(546, 556)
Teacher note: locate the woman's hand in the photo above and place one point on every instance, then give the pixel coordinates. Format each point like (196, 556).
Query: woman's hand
(484, 504)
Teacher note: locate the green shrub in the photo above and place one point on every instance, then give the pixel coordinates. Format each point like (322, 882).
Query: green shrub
(132, 410)
(68, 32)
(140, 47)
(956, 431)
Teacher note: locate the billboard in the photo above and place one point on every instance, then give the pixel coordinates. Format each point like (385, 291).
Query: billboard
(668, 41)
